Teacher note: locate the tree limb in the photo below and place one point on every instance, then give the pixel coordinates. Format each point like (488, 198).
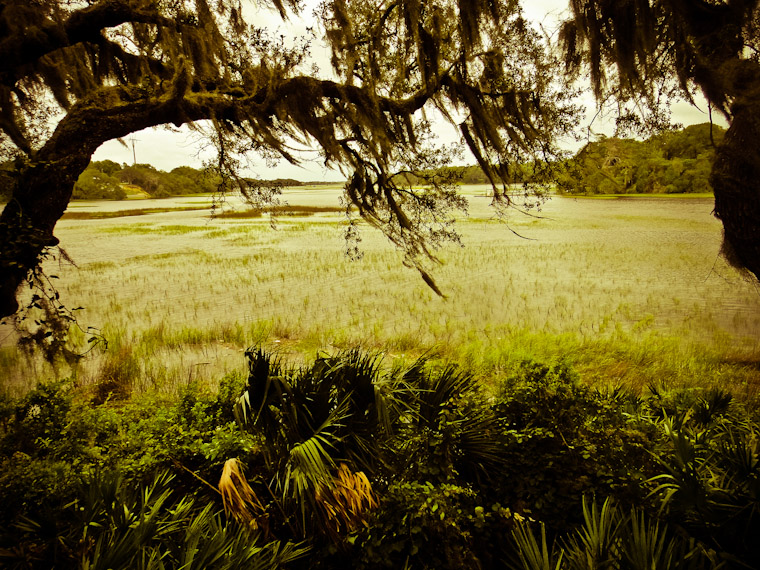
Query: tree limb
(23, 48)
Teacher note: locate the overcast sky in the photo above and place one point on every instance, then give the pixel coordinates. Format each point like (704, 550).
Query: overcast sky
(168, 148)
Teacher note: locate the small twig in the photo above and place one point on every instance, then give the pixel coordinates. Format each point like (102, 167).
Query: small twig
(193, 473)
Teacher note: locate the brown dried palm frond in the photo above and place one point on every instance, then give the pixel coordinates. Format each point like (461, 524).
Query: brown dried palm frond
(347, 502)
(239, 499)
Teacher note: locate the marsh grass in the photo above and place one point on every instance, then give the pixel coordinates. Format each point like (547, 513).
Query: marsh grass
(94, 215)
(284, 210)
(628, 291)
(173, 229)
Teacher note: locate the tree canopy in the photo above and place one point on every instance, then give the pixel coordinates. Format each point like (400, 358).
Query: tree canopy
(75, 74)
(677, 161)
(644, 51)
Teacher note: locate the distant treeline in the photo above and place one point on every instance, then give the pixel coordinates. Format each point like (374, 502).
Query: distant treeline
(672, 162)
(106, 180)
(456, 174)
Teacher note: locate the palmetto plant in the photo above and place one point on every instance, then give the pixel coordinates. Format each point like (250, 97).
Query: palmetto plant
(118, 525)
(342, 407)
(610, 539)
(711, 482)
(319, 420)
(332, 426)
(532, 554)
(650, 544)
(454, 428)
(597, 542)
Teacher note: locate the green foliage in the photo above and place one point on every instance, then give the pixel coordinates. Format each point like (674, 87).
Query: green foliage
(609, 538)
(94, 184)
(672, 162)
(532, 555)
(564, 440)
(40, 418)
(426, 422)
(710, 480)
(422, 525)
(112, 524)
(448, 472)
(103, 180)
(341, 409)
(108, 167)
(58, 434)
(454, 435)
(160, 184)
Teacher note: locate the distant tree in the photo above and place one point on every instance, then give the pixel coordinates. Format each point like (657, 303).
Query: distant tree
(691, 142)
(285, 182)
(200, 180)
(106, 166)
(674, 161)
(474, 175)
(650, 49)
(93, 184)
(76, 74)
(143, 175)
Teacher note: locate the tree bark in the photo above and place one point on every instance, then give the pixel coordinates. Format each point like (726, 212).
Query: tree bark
(735, 179)
(41, 195)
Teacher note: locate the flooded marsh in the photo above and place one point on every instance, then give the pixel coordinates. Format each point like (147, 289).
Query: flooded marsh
(627, 290)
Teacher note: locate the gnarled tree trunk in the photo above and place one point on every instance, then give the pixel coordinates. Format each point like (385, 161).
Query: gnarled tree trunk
(735, 179)
(42, 188)
(40, 195)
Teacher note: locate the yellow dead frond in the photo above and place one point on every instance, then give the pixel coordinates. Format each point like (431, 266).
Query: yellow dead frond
(240, 501)
(349, 500)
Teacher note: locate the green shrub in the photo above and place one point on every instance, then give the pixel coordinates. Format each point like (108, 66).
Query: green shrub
(39, 419)
(421, 525)
(34, 488)
(453, 435)
(565, 440)
(56, 435)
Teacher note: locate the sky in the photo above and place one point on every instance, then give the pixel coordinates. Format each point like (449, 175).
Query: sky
(167, 148)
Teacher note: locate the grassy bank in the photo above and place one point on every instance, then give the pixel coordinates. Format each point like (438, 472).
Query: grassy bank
(673, 196)
(629, 292)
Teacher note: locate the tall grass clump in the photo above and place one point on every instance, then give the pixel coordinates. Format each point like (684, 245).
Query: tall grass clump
(120, 371)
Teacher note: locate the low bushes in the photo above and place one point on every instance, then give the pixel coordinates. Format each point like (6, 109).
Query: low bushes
(374, 466)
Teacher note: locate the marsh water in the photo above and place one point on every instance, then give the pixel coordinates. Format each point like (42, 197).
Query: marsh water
(664, 249)
(587, 267)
